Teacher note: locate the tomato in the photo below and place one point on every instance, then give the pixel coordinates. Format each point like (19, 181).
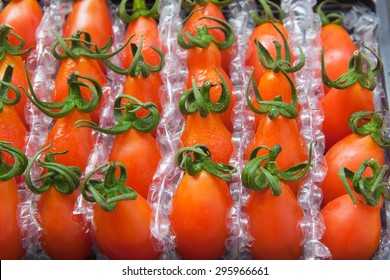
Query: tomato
(200, 207)
(272, 132)
(273, 224)
(84, 16)
(196, 20)
(86, 67)
(77, 141)
(204, 64)
(338, 106)
(64, 236)
(24, 16)
(10, 238)
(124, 233)
(352, 231)
(139, 153)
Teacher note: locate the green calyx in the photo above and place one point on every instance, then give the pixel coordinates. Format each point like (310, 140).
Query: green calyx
(81, 45)
(267, 14)
(276, 107)
(370, 123)
(203, 38)
(330, 18)
(190, 4)
(138, 66)
(197, 99)
(371, 188)
(65, 179)
(74, 100)
(109, 191)
(6, 47)
(197, 158)
(360, 70)
(9, 171)
(139, 10)
(5, 86)
(279, 63)
(127, 118)
(262, 171)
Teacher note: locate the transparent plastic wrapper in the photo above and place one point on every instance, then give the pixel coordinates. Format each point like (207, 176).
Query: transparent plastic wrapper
(44, 66)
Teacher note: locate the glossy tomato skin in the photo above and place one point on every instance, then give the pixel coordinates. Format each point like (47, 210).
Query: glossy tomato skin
(19, 79)
(11, 247)
(352, 233)
(284, 132)
(147, 28)
(273, 223)
(92, 16)
(265, 33)
(77, 141)
(64, 234)
(12, 130)
(203, 64)
(85, 67)
(199, 213)
(140, 155)
(338, 106)
(209, 131)
(24, 16)
(195, 21)
(338, 50)
(124, 233)
(350, 152)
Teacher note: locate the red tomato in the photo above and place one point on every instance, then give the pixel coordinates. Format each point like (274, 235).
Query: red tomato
(349, 152)
(24, 16)
(209, 131)
(338, 106)
(200, 207)
(285, 132)
(86, 67)
(10, 238)
(273, 223)
(64, 236)
(92, 16)
(125, 233)
(139, 153)
(352, 232)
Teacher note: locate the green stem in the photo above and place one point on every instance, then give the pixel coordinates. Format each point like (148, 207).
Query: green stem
(5, 86)
(330, 18)
(190, 4)
(267, 15)
(127, 118)
(139, 10)
(197, 158)
(9, 171)
(6, 47)
(262, 171)
(109, 191)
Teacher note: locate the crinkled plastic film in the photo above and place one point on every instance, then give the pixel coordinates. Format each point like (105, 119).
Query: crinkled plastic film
(44, 66)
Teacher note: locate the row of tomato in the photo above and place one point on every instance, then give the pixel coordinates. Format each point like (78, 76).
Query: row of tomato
(276, 163)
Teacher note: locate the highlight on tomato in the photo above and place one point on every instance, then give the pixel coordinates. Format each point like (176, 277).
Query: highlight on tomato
(278, 125)
(121, 217)
(12, 128)
(337, 43)
(12, 55)
(200, 204)
(352, 221)
(273, 210)
(64, 234)
(63, 135)
(210, 8)
(266, 33)
(203, 122)
(24, 16)
(350, 93)
(133, 145)
(11, 247)
(367, 140)
(204, 59)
